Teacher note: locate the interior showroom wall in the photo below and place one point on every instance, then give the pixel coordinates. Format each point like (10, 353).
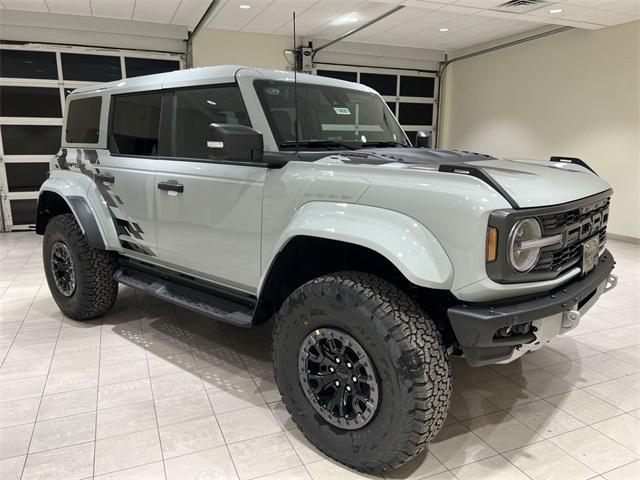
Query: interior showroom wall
(574, 93)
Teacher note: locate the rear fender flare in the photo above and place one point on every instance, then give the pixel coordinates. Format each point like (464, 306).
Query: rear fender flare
(90, 211)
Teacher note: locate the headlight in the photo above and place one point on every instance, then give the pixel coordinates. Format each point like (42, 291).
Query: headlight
(523, 248)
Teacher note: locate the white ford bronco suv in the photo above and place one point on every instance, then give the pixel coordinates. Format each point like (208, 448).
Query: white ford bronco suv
(246, 196)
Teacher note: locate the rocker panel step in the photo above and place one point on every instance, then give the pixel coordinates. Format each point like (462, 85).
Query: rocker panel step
(201, 302)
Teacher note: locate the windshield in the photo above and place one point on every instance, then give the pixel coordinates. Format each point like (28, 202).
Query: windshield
(328, 116)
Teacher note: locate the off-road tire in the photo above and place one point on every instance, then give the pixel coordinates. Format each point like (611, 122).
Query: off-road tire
(96, 290)
(413, 368)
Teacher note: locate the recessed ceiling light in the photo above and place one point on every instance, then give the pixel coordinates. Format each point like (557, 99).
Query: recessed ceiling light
(444, 29)
(555, 10)
(245, 7)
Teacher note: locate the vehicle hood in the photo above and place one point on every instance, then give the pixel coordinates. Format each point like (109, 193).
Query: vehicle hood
(524, 183)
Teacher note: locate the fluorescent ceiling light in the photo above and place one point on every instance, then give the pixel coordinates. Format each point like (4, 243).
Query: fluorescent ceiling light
(245, 7)
(555, 10)
(444, 29)
(352, 17)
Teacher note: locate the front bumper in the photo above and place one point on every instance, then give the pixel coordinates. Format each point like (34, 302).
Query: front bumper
(476, 326)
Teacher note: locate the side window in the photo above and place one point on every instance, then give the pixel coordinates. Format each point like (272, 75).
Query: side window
(135, 124)
(83, 120)
(196, 109)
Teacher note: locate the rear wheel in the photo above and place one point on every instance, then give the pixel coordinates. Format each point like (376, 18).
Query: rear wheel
(79, 276)
(362, 370)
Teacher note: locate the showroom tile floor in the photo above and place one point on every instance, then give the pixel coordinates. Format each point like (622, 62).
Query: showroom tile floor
(153, 391)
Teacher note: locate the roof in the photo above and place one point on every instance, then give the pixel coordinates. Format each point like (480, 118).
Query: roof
(203, 75)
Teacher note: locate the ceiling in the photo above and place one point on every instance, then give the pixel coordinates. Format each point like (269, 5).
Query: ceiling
(419, 24)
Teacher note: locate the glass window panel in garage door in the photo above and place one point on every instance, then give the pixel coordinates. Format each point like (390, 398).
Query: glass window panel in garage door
(411, 86)
(382, 83)
(136, 67)
(23, 211)
(339, 75)
(31, 139)
(28, 64)
(416, 113)
(30, 102)
(26, 177)
(91, 68)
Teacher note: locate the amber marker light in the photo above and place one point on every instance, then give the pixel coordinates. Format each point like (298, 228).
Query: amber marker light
(492, 244)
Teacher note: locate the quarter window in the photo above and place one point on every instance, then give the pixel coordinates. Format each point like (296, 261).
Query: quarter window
(135, 124)
(196, 109)
(83, 120)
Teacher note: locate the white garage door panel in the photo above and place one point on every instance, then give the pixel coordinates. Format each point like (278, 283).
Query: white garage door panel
(35, 80)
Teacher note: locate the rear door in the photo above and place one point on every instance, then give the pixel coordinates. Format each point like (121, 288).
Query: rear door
(208, 213)
(126, 174)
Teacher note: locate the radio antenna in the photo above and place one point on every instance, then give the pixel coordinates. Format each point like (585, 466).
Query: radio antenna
(296, 54)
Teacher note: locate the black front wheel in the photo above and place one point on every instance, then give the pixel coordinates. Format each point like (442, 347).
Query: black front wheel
(362, 370)
(80, 277)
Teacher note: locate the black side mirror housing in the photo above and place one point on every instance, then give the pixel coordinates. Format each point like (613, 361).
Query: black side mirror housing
(422, 139)
(234, 143)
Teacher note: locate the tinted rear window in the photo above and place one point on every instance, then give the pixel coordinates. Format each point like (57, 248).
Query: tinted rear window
(135, 124)
(83, 120)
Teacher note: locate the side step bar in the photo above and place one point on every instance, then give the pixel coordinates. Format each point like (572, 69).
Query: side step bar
(199, 301)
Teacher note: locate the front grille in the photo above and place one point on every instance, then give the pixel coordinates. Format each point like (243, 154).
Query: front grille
(576, 226)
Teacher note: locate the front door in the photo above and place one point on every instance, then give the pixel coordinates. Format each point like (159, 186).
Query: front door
(209, 214)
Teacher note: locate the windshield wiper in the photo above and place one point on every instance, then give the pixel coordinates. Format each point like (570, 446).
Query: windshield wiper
(319, 143)
(382, 144)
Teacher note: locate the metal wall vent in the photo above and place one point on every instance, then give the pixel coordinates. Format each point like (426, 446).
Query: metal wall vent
(520, 6)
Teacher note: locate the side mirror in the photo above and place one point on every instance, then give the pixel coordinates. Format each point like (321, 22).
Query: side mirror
(237, 143)
(422, 139)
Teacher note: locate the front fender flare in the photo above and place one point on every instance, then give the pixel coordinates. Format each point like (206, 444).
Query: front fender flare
(402, 240)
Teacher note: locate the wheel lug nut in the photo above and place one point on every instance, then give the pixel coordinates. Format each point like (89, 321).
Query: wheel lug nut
(331, 369)
(354, 379)
(348, 388)
(337, 360)
(337, 383)
(349, 365)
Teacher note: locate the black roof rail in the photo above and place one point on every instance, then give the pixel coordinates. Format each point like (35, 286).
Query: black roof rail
(574, 160)
(481, 175)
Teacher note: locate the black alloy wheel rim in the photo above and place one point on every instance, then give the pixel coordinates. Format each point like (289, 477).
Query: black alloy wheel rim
(338, 378)
(64, 273)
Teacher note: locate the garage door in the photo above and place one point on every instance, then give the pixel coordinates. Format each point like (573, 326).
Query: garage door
(410, 94)
(34, 81)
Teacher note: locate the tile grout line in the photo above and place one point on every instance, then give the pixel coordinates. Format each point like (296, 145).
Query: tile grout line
(213, 412)
(23, 317)
(95, 431)
(44, 387)
(153, 401)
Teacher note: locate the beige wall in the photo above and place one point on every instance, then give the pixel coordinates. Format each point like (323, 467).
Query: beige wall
(219, 47)
(215, 47)
(574, 93)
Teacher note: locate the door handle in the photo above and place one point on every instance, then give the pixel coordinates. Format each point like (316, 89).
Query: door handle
(171, 186)
(105, 177)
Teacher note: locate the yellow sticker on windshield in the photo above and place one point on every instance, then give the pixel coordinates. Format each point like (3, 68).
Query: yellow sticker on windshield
(342, 110)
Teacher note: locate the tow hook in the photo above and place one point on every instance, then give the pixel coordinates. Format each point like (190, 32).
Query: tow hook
(612, 281)
(570, 318)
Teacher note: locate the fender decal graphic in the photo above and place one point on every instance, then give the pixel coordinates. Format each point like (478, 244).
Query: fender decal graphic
(86, 161)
